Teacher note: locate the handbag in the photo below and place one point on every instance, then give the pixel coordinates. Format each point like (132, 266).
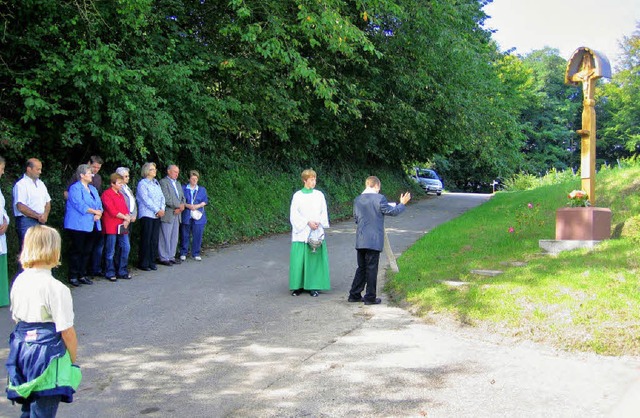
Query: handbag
(315, 240)
(196, 215)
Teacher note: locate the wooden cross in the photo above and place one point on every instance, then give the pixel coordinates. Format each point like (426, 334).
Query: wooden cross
(586, 66)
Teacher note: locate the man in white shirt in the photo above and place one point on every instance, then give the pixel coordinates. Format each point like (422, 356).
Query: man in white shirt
(31, 200)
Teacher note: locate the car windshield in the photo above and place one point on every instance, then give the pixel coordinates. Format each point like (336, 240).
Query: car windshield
(427, 174)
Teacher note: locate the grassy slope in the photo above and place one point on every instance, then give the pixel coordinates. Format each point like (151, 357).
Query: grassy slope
(578, 300)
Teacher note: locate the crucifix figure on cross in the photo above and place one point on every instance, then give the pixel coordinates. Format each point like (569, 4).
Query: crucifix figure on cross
(586, 66)
(585, 76)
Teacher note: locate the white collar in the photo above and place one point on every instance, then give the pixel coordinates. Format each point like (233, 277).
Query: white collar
(370, 190)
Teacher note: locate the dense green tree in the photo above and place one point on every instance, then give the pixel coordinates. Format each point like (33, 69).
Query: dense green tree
(552, 115)
(293, 81)
(440, 93)
(621, 97)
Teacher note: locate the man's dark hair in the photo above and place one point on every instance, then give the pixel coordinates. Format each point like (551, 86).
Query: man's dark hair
(95, 159)
(31, 162)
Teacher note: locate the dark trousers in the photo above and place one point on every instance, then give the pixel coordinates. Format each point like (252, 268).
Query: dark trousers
(96, 254)
(366, 274)
(149, 236)
(79, 252)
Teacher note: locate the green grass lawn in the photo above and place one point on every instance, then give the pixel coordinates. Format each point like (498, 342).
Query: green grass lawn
(578, 300)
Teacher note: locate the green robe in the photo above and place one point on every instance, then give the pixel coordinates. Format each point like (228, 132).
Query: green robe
(308, 270)
(4, 281)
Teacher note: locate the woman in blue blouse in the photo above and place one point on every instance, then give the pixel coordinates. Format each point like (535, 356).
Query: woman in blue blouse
(151, 206)
(194, 217)
(81, 219)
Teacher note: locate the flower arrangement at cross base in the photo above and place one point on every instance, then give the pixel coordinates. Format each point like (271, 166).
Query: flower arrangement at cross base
(578, 199)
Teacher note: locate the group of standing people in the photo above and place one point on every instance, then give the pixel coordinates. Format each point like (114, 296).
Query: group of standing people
(167, 210)
(309, 262)
(97, 222)
(43, 346)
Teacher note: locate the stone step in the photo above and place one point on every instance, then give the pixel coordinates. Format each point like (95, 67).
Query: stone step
(454, 283)
(489, 273)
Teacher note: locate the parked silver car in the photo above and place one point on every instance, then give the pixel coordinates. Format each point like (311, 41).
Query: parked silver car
(428, 180)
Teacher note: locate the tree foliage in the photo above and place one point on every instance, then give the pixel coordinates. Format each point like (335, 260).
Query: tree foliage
(374, 82)
(622, 103)
(551, 114)
(295, 82)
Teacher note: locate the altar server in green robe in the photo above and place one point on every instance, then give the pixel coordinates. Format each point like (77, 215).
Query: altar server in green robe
(309, 267)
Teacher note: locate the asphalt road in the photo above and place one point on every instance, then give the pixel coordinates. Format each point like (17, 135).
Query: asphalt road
(224, 338)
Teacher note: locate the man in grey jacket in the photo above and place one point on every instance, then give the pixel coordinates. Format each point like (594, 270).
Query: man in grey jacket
(369, 210)
(170, 226)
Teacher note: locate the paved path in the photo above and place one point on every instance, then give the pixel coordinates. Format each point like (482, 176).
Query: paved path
(223, 338)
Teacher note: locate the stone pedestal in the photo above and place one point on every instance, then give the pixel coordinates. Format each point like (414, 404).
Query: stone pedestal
(584, 224)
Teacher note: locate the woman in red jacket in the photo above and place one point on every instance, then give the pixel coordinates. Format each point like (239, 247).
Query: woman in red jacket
(115, 224)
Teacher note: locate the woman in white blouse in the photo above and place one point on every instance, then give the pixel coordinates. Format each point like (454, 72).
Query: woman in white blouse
(308, 267)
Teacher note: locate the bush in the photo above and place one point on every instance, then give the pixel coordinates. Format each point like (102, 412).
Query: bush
(523, 181)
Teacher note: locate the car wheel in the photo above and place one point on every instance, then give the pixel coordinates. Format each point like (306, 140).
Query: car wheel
(438, 193)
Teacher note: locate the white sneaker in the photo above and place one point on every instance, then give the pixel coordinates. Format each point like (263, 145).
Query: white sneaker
(197, 258)
(183, 257)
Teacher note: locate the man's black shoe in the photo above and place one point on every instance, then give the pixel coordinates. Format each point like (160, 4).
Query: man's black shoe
(314, 293)
(125, 277)
(165, 263)
(176, 261)
(154, 267)
(74, 282)
(351, 299)
(296, 292)
(85, 280)
(377, 301)
(144, 268)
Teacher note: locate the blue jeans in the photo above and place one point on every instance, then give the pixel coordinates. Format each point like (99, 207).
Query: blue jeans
(188, 229)
(42, 407)
(116, 267)
(22, 224)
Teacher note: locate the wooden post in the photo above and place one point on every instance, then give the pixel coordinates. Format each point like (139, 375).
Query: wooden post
(586, 66)
(389, 253)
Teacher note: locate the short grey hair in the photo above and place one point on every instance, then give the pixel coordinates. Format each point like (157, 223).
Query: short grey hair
(122, 170)
(82, 169)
